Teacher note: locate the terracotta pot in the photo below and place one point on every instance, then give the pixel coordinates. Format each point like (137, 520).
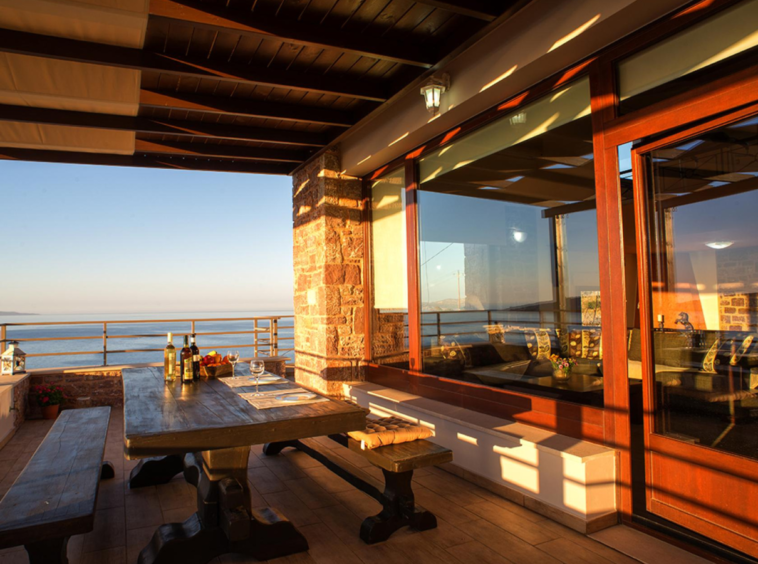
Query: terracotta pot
(50, 411)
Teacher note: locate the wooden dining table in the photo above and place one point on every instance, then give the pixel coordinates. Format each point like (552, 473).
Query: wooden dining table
(205, 430)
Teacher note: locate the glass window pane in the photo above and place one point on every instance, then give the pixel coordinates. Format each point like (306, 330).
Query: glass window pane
(671, 66)
(704, 267)
(508, 254)
(389, 270)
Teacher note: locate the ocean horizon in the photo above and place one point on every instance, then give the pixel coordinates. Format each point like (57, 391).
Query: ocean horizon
(83, 336)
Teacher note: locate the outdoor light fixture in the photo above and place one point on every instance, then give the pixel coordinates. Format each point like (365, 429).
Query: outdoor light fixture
(432, 92)
(718, 245)
(518, 236)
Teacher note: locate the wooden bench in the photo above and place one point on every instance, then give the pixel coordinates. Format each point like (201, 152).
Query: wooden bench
(55, 495)
(397, 463)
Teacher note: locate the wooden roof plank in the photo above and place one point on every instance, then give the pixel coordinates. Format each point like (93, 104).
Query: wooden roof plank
(187, 67)
(156, 161)
(479, 9)
(244, 107)
(143, 146)
(215, 17)
(166, 127)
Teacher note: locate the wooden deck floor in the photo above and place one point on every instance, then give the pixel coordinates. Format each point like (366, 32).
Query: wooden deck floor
(475, 526)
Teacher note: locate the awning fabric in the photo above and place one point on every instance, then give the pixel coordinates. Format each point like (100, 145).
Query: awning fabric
(65, 85)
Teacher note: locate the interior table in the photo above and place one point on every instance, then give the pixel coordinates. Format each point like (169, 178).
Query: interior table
(205, 429)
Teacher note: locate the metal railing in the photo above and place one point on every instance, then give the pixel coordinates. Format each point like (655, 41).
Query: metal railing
(267, 338)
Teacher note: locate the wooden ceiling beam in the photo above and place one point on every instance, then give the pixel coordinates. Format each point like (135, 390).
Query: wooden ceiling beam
(244, 108)
(178, 163)
(145, 147)
(479, 9)
(182, 128)
(186, 67)
(215, 17)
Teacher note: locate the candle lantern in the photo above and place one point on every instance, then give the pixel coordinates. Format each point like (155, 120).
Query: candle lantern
(13, 360)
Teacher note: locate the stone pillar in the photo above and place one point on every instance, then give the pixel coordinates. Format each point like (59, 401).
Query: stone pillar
(328, 262)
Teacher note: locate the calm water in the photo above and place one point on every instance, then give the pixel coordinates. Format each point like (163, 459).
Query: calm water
(89, 337)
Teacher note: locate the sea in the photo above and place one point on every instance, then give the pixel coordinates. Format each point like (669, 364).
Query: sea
(81, 337)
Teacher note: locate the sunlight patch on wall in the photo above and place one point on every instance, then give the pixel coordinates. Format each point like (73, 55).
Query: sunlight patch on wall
(574, 34)
(503, 76)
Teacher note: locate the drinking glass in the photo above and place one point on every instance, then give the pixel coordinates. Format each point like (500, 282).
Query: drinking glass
(233, 357)
(257, 368)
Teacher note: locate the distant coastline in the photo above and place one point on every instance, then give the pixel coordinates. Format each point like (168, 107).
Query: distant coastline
(16, 313)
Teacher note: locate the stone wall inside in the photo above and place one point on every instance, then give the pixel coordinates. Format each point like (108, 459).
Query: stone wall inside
(328, 262)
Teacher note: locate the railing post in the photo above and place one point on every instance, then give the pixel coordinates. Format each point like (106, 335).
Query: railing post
(2, 338)
(274, 326)
(439, 327)
(255, 339)
(105, 344)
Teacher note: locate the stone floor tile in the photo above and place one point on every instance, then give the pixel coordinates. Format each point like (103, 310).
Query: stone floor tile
(109, 531)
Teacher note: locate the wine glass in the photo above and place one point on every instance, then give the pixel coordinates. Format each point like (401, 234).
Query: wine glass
(233, 357)
(257, 368)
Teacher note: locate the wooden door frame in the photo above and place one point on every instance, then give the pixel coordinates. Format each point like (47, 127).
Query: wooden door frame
(703, 456)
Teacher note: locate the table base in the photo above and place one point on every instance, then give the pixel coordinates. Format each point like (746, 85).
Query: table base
(224, 522)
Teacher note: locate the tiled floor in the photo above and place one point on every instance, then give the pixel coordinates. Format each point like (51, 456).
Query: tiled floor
(475, 526)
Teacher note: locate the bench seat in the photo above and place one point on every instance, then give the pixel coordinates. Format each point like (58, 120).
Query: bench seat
(397, 462)
(55, 496)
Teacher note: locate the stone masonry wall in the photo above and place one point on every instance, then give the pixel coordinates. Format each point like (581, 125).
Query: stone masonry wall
(102, 387)
(738, 312)
(328, 263)
(20, 393)
(737, 270)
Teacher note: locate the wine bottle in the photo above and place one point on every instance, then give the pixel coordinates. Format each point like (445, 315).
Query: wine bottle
(169, 360)
(185, 357)
(195, 359)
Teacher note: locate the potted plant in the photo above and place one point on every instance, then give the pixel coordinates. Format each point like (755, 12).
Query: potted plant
(49, 398)
(562, 367)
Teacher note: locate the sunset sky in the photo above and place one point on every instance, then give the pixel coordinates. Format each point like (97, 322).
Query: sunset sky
(89, 239)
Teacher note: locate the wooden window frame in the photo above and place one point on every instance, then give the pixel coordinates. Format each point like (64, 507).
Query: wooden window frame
(608, 425)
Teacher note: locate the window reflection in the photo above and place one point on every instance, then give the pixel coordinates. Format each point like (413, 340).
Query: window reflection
(508, 253)
(704, 272)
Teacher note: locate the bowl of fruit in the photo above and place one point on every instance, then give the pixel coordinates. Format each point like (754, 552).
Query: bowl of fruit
(214, 365)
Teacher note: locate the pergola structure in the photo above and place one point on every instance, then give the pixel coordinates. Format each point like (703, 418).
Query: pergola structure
(254, 86)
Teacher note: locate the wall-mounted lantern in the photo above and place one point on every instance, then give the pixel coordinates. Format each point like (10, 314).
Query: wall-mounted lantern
(13, 360)
(433, 90)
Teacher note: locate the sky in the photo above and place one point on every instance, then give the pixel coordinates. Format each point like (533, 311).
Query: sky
(99, 239)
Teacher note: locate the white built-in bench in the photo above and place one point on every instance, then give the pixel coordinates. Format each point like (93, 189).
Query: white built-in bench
(566, 479)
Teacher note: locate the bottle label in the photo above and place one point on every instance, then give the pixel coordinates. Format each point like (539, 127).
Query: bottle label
(197, 358)
(187, 369)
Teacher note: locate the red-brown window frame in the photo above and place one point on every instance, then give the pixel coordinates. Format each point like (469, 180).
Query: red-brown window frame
(608, 425)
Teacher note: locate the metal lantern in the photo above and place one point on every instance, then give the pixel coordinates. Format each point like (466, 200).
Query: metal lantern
(13, 360)
(432, 92)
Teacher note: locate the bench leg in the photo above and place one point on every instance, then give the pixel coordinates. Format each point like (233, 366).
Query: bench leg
(224, 521)
(52, 551)
(272, 449)
(107, 472)
(155, 471)
(400, 510)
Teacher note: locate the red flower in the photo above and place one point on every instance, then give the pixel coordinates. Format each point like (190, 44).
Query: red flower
(45, 400)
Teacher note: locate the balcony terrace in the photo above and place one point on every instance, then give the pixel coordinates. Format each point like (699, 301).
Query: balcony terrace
(475, 525)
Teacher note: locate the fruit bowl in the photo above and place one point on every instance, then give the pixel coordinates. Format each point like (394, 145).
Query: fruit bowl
(213, 365)
(218, 371)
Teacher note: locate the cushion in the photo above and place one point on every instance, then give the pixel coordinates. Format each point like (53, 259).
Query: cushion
(389, 431)
(541, 343)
